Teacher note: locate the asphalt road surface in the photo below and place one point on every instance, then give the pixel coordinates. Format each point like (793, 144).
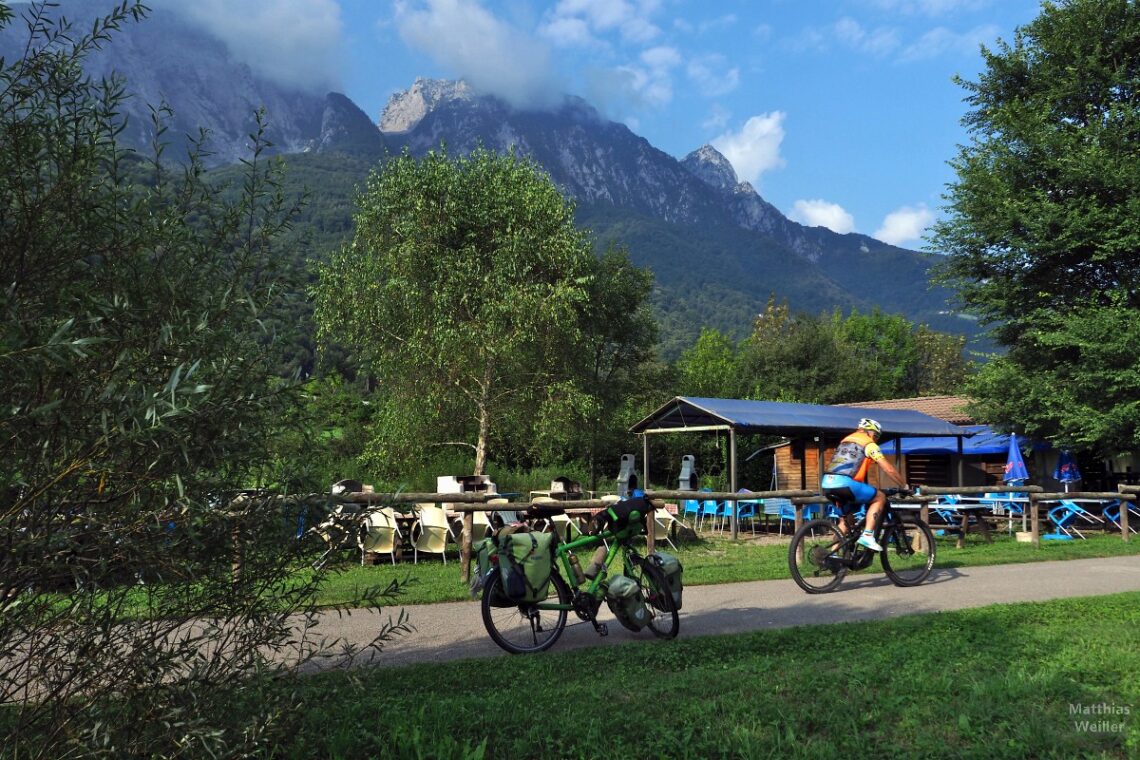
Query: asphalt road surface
(454, 630)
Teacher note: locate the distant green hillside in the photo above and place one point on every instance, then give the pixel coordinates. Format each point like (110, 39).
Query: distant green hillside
(712, 275)
(721, 276)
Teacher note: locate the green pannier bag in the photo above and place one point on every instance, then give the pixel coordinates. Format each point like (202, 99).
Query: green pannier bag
(626, 602)
(525, 562)
(481, 553)
(671, 567)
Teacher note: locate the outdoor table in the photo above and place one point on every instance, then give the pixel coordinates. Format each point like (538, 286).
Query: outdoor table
(964, 512)
(989, 501)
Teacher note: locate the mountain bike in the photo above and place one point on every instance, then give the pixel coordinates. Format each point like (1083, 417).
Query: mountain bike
(822, 553)
(536, 626)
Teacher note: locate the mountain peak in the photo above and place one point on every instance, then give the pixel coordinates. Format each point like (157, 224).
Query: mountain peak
(346, 128)
(709, 165)
(405, 109)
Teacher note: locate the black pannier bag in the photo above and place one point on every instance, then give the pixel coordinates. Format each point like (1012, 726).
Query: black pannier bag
(670, 567)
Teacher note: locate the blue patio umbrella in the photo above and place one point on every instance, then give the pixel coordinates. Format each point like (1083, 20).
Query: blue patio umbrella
(1066, 471)
(1015, 471)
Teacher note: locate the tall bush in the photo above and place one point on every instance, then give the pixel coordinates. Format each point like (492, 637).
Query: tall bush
(137, 393)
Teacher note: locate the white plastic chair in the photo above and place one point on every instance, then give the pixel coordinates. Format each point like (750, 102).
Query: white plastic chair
(432, 538)
(663, 522)
(381, 534)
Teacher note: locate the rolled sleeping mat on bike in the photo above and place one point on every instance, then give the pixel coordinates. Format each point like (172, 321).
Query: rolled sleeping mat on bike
(622, 514)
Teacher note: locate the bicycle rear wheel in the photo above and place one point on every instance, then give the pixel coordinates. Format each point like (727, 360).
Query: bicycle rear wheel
(812, 557)
(664, 621)
(525, 628)
(908, 552)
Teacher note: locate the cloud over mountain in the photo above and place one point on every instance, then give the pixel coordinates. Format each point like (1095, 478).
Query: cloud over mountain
(293, 43)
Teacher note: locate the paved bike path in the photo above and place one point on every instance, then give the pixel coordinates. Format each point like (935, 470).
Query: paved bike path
(454, 630)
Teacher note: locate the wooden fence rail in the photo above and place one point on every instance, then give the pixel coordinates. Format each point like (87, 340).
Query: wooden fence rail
(469, 503)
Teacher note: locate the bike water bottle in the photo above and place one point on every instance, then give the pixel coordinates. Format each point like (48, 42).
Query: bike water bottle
(597, 562)
(576, 566)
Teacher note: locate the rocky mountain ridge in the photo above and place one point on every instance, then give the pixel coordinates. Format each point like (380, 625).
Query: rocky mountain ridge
(166, 60)
(597, 161)
(717, 248)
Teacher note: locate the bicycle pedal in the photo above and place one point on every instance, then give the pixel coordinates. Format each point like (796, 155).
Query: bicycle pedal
(603, 629)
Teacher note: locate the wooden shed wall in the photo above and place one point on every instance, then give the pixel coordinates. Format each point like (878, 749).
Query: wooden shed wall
(802, 458)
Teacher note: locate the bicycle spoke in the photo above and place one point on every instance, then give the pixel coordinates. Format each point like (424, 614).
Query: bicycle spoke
(520, 629)
(664, 620)
(813, 557)
(909, 552)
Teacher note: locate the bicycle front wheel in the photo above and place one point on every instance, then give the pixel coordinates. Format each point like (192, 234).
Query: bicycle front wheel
(525, 628)
(908, 552)
(813, 559)
(664, 620)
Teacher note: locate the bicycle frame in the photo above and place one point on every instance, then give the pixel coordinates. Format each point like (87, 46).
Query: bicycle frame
(824, 550)
(855, 556)
(594, 586)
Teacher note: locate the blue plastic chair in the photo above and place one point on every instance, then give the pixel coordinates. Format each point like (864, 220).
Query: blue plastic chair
(710, 509)
(724, 514)
(776, 507)
(691, 507)
(1111, 513)
(833, 513)
(1065, 517)
(1001, 505)
(944, 508)
(746, 510)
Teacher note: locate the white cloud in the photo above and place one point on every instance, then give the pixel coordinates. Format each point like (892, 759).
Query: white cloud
(718, 117)
(712, 75)
(905, 225)
(493, 56)
(821, 213)
(661, 58)
(930, 7)
(568, 32)
(941, 40)
(629, 19)
(755, 149)
(877, 42)
(295, 43)
(646, 83)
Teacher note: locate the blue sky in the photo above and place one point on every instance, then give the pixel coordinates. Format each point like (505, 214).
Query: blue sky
(841, 113)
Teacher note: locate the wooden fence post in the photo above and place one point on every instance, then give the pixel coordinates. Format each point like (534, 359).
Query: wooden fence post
(1034, 521)
(465, 545)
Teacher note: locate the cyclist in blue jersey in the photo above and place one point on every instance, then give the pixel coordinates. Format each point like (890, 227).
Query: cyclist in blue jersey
(846, 477)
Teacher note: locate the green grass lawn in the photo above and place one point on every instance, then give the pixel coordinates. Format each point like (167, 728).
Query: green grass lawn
(1008, 681)
(717, 560)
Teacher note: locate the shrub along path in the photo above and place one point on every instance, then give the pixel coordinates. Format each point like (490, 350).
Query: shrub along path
(454, 630)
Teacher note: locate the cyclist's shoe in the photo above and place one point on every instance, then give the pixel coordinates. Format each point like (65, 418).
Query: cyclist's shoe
(868, 540)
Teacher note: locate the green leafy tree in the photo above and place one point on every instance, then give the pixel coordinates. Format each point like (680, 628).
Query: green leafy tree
(834, 359)
(940, 367)
(614, 366)
(884, 348)
(710, 368)
(461, 292)
(138, 393)
(1043, 229)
